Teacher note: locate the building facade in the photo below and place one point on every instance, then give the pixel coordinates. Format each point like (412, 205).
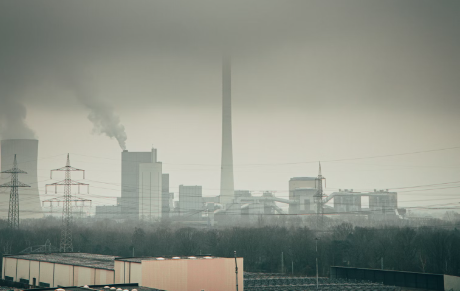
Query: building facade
(130, 177)
(296, 183)
(150, 191)
(190, 202)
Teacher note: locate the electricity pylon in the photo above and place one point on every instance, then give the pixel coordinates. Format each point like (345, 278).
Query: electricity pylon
(66, 227)
(14, 184)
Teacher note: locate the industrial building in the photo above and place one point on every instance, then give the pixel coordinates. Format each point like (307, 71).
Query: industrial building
(141, 189)
(26, 151)
(299, 183)
(59, 269)
(166, 273)
(380, 203)
(190, 202)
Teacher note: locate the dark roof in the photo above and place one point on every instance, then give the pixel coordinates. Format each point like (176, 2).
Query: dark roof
(100, 287)
(164, 258)
(74, 259)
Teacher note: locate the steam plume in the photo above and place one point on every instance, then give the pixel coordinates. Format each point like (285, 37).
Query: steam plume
(105, 120)
(101, 114)
(12, 117)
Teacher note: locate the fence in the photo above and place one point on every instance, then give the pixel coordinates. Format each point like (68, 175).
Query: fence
(388, 277)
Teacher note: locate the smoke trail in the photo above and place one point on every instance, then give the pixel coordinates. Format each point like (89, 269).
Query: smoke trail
(104, 119)
(101, 114)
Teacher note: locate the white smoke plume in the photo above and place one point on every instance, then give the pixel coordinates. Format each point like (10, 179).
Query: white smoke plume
(12, 119)
(101, 114)
(104, 119)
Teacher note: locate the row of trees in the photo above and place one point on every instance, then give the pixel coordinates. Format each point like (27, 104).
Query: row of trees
(422, 249)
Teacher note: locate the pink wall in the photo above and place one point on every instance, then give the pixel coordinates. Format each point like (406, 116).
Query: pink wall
(217, 274)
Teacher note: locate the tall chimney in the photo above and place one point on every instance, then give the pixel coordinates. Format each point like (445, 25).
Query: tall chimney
(226, 172)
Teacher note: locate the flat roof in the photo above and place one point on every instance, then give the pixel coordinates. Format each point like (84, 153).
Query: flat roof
(123, 286)
(165, 258)
(303, 179)
(74, 259)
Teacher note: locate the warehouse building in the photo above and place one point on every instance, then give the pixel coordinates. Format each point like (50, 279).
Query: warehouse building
(59, 269)
(165, 273)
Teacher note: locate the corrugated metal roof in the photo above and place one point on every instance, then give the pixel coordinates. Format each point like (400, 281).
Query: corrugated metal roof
(74, 259)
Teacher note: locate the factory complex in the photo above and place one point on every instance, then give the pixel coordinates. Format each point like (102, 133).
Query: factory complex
(164, 273)
(145, 190)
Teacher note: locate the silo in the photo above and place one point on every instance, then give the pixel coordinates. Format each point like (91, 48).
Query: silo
(26, 151)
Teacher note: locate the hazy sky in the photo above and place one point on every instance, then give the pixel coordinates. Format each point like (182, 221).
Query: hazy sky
(312, 80)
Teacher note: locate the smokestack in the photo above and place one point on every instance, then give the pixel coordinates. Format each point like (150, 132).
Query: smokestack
(226, 174)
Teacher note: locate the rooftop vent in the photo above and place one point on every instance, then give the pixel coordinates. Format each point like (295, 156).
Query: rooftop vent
(192, 258)
(160, 259)
(176, 258)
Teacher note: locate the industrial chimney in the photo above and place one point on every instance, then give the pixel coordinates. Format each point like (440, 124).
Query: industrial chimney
(226, 174)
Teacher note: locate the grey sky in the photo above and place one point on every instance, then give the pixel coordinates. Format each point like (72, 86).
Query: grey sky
(312, 80)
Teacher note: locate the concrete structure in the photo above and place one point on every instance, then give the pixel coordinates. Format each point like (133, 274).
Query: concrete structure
(130, 178)
(226, 172)
(180, 273)
(167, 198)
(381, 202)
(150, 191)
(295, 183)
(26, 151)
(65, 269)
(190, 202)
(305, 198)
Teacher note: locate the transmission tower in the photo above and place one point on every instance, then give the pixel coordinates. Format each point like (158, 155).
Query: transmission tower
(14, 184)
(66, 227)
(319, 199)
(79, 202)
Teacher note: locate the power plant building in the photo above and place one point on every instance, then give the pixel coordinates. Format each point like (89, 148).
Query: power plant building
(300, 183)
(150, 191)
(132, 182)
(190, 201)
(26, 151)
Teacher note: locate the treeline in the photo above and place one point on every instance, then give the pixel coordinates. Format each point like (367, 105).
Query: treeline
(264, 248)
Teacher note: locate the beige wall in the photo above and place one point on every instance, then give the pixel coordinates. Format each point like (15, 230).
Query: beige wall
(55, 274)
(216, 274)
(63, 275)
(9, 265)
(128, 272)
(451, 283)
(34, 271)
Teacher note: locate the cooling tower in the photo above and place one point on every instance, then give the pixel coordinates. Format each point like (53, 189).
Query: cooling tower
(226, 175)
(26, 151)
